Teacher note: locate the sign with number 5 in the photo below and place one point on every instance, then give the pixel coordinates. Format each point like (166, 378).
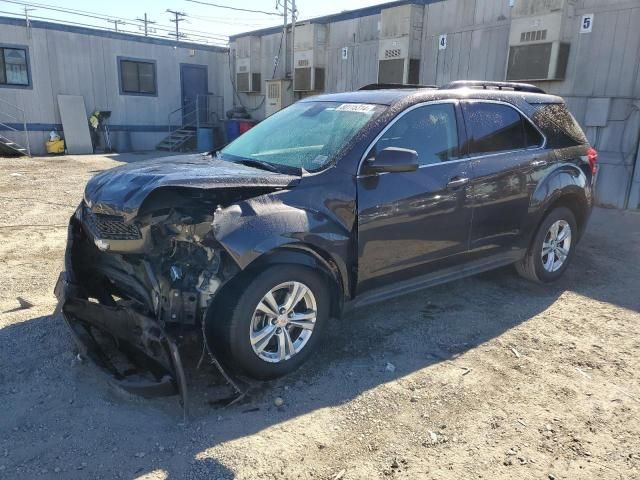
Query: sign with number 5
(587, 23)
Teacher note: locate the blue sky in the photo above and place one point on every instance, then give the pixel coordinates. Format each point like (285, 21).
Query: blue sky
(200, 18)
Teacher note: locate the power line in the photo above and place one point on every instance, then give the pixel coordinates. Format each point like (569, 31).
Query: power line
(235, 8)
(100, 27)
(108, 18)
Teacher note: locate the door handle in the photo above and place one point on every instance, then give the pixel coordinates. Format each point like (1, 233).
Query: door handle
(539, 163)
(456, 182)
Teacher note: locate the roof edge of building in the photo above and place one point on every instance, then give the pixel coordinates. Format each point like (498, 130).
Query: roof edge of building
(61, 27)
(337, 17)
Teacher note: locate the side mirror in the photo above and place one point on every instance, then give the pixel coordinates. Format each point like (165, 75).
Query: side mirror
(392, 160)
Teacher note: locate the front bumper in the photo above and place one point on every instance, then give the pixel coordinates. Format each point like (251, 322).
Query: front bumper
(110, 334)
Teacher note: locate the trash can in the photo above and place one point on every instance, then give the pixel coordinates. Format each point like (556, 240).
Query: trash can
(232, 130)
(205, 139)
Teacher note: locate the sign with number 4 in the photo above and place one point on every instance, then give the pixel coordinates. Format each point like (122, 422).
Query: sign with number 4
(587, 23)
(442, 42)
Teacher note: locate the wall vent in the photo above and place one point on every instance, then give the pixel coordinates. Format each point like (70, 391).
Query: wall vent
(392, 53)
(533, 36)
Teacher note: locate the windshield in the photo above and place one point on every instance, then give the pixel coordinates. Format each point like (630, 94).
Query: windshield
(305, 135)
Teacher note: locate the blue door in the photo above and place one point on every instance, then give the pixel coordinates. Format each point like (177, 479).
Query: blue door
(194, 85)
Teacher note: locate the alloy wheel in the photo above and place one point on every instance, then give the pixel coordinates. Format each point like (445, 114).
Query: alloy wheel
(556, 246)
(283, 321)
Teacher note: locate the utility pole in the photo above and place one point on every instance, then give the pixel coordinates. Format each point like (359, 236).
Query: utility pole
(27, 19)
(116, 23)
(146, 22)
(178, 17)
(294, 17)
(284, 40)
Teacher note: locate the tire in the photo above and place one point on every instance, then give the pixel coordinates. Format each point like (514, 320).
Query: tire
(534, 266)
(239, 320)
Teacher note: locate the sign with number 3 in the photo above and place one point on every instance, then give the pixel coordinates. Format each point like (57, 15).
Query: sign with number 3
(587, 23)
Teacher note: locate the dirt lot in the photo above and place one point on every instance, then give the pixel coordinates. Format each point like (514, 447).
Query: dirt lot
(489, 377)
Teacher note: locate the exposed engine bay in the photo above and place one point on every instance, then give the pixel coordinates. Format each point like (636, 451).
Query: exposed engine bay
(137, 285)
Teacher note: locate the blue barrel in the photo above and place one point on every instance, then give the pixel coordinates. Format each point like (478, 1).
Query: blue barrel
(205, 139)
(232, 129)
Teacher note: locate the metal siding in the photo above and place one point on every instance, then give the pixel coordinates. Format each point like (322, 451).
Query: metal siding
(69, 62)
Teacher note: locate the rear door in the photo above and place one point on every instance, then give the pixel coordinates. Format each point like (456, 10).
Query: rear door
(507, 156)
(413, 223)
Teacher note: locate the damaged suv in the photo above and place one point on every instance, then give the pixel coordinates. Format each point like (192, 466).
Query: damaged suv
(335, 202)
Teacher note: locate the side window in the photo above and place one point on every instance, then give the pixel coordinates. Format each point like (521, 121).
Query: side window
(494, 127)
(532, 136)
(430, 130)
(14, 67)
(137, 77)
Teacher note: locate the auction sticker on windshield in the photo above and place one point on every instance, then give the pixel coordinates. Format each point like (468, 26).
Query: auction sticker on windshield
(355, 107)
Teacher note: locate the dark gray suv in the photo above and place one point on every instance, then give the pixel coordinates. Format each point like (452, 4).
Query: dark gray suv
(335, 202)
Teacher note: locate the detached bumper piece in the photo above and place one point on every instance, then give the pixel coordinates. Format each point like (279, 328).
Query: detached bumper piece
(133, 348)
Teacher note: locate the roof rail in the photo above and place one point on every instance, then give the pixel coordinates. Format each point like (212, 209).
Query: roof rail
(384, 86)
(518, 87)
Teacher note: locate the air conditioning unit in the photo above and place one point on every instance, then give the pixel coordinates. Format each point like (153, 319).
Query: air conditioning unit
(279, 95)
(536, 49)
(248, 78)
(400, 44)
(309, 57)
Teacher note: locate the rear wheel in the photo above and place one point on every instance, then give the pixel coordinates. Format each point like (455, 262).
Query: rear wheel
(552, 248)
(272, 325)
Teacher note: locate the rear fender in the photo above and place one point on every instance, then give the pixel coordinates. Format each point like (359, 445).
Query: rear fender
(565, 181)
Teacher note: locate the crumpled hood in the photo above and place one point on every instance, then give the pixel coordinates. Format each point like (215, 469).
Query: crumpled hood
(121, 190)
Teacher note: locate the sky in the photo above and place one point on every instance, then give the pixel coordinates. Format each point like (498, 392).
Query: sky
(202, 20)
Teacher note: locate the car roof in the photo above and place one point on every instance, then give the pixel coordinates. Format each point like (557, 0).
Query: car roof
(418, 95)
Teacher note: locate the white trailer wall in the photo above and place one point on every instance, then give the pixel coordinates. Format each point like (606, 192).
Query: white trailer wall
(78, 61)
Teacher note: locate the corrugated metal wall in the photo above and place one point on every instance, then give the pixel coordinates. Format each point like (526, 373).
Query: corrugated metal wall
(603, 71)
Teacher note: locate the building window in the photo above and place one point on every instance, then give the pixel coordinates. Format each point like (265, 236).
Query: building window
(14, 67)
(137, 77)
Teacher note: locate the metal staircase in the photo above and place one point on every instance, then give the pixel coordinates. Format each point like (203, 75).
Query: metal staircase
(13, 128)
(204, 112)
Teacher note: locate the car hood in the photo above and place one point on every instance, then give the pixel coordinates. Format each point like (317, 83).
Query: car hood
(122, 190)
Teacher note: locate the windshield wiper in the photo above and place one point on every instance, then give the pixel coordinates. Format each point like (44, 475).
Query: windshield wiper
(257, 163)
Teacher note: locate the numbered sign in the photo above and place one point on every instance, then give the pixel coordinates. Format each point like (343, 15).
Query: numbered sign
(442, 42)
(587, 23)
(345, 53)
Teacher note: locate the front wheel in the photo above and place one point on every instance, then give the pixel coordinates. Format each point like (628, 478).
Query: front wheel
(552, 248)
(273, 324)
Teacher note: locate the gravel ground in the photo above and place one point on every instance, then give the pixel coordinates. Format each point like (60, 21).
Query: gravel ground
(488, 377)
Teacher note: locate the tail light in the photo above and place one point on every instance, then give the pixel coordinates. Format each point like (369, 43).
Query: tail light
(592, 156)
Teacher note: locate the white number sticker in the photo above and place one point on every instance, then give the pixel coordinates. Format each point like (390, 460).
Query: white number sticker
(442, 43)
(587, 23)
(345, 53)
(355, 107)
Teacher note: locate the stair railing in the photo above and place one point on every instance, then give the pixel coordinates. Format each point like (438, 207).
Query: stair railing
(19, 118)
(205, 110)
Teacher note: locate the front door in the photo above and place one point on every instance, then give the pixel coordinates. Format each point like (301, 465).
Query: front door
(413, 223)
(194, 86)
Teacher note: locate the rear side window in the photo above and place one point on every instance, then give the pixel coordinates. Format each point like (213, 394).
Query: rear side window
(431, 131)
(494, 127)
(560, 127)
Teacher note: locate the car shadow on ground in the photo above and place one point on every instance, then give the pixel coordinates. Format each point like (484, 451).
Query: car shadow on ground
(47, 390)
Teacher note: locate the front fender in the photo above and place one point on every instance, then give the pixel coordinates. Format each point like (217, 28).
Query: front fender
(249, 229)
